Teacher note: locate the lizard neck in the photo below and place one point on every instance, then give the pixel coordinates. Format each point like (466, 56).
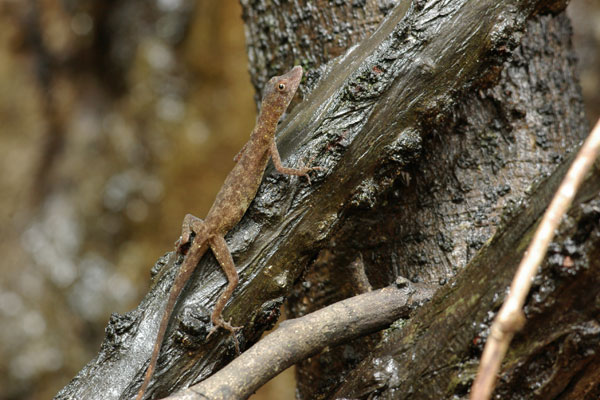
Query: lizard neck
(266, 125)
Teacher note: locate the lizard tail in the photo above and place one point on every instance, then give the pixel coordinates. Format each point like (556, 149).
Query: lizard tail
(187, 268)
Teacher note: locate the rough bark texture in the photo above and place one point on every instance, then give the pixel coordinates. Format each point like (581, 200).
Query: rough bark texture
(311, 33)
(482, 159)
(423, 149)
(478, 159)
(436, 354)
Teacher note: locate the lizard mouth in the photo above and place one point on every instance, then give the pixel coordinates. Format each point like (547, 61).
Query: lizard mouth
(296, 72)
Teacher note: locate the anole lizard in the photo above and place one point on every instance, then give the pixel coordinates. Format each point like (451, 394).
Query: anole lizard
(231, 203)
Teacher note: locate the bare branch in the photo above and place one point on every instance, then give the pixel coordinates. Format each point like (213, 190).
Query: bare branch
(510, 318)
(299, 338)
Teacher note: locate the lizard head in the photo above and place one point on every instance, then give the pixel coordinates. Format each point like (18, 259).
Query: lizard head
(279, 92)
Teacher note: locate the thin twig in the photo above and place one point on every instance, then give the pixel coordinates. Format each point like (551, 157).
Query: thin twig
(297, 339)
(510, 318)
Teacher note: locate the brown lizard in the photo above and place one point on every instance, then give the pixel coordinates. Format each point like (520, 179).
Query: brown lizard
(231, 203)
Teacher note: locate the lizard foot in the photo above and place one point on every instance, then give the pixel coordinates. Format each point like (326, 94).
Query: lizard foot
(309, 169)
(305, 170)
(232, 329)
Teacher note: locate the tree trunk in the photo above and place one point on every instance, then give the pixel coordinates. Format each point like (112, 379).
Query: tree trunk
(430, 133)
(476, 162)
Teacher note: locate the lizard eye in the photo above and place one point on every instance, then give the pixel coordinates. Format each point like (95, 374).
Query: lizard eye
(281, 86)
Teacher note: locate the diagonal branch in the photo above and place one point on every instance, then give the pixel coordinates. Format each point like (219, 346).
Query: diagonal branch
(510, 318)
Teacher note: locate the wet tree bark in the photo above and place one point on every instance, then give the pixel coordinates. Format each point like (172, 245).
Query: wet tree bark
(476, 162)
(430, 132)
(435, 354)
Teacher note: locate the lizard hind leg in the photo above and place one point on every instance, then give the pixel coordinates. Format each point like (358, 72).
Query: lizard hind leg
(223, 255)
(190, 224)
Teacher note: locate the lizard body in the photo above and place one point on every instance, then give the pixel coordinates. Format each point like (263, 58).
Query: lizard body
(230, 204)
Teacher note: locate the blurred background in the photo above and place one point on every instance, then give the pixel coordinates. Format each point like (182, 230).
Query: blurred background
(116, 119)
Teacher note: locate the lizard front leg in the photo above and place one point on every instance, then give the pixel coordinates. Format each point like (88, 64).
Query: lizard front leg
(303, 171)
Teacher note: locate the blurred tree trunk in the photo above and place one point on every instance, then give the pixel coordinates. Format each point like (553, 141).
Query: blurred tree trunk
(115, 121)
